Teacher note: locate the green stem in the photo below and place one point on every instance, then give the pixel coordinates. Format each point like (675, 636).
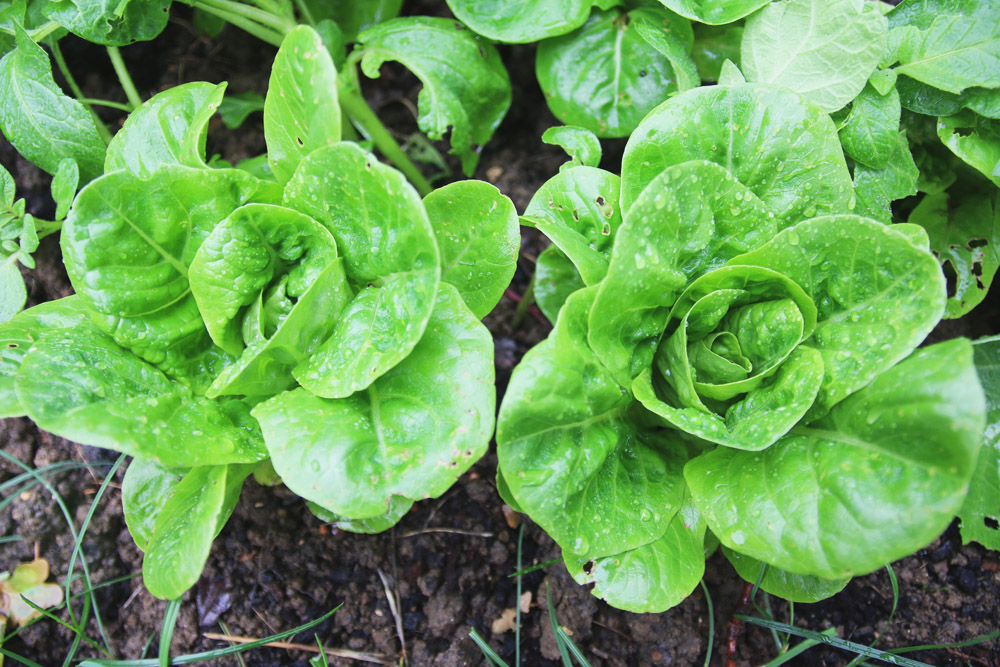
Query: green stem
(259, 16)
(262, 33)
(167, 631)
(347, 131)
(123, 76)
(527, 299)
(105, 103)
(517, 602)
(711, 623)
(57, 55)
(802, 646)
(306, 14)
(45, 228)
(354, 105)
(43, 31)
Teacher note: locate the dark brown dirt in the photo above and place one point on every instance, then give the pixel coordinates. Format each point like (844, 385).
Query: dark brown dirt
(276, 566)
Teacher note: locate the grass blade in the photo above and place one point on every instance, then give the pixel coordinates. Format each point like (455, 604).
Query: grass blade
(895, 590)
(835, 642)
(534, 567)
(711, 623)
(490, 654)
(802, 647)
(52, 617)
(320, 660)
(167, 631)
(211, 655)
(564, 639)
(932, 647)
(16, 658)
(563, 653)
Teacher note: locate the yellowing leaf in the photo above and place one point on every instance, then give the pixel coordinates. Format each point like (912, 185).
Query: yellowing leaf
(27, 581)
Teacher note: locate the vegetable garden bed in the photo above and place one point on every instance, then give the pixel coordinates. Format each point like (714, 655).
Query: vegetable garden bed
(426, 577)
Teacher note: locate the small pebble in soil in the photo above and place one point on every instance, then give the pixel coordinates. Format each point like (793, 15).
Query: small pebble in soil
(967, 580)
(942, 552)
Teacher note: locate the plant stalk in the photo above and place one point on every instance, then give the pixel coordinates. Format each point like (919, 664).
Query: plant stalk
(57, 55)
(306, 14)
(127, 108)
(527, 299)
(264, 34)
(354, 105)
(255, 14)
(43, 31)
(124, 77)
(45, 228)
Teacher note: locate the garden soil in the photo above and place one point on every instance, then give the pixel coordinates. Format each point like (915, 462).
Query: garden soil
(421, 588)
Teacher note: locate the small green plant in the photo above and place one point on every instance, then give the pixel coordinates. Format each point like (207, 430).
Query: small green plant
(320, 318)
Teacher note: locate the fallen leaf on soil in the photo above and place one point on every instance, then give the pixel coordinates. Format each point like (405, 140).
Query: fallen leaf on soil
(508, 617)
(212, 600)
(28, 579)
(505, 622)
(513, 518)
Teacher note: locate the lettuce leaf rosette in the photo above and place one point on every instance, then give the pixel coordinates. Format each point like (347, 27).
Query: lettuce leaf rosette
(748, 368)
(324, 325)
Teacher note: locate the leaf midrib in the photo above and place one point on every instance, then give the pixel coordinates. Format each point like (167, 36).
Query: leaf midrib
(178, 265)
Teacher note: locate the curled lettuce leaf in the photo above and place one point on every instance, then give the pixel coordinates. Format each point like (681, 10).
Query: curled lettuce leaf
(606, 76)
(521, 21)
(777, 144)
(169, 128)
(466, 87)
(714, 12)
(390, 258)
(267, 278)
(111, 22)
(129, 240)
(409, 434)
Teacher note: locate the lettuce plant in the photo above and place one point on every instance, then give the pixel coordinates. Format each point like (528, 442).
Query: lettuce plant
(320, 319)
(668, 281)
(740, 365)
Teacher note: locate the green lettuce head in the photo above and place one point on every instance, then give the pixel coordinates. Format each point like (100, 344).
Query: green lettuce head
(316, 321)
(746, 369)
